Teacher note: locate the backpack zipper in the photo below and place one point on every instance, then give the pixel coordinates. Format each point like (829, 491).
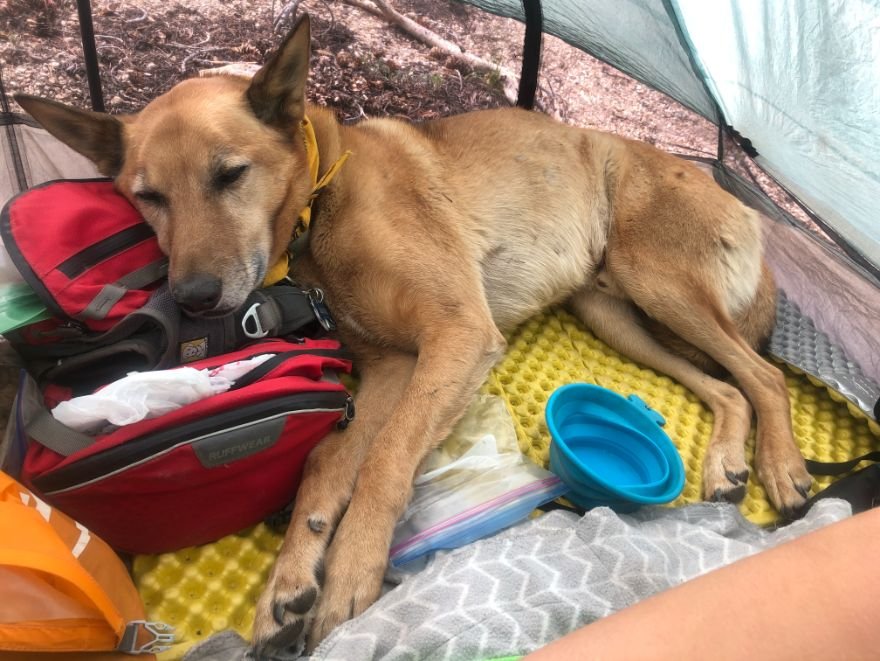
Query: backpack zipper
(75, 265)
(277, 360)
(141, 449)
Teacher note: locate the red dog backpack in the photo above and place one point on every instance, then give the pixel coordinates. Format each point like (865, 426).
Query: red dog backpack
(189, 476)
(202, 471)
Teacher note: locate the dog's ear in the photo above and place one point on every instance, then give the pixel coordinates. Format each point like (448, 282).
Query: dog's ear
(278, 91)
(95, 135)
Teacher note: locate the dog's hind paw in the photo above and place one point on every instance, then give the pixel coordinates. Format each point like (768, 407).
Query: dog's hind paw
(724, 477)
(786, 480)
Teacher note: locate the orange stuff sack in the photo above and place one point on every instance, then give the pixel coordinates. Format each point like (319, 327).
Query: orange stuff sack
(64, 594)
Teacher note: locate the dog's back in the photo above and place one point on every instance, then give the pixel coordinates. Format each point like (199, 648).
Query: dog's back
(541, 203)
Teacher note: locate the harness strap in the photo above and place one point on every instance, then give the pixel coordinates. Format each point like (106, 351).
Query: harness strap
(860, 489)
(840, 467)
(47, 431)
(111, 294)
(159, 336)
(278, 311)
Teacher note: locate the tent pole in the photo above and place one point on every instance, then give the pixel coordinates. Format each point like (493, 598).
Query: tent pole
(531, 62)
(90, 53)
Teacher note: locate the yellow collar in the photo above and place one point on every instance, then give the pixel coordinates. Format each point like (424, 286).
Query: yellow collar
(279, 270)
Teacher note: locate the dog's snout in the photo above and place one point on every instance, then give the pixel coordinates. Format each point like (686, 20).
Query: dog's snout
(199, 292)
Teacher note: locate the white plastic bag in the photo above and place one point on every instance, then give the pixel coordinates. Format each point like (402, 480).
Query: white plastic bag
(142, 395)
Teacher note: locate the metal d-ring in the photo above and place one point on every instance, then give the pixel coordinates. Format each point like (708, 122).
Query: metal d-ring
(251, 314)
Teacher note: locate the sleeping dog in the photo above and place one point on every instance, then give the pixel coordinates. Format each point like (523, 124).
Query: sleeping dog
(431, 241)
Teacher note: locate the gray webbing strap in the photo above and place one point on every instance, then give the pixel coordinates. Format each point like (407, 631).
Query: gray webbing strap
(111, 294)
(59, 438)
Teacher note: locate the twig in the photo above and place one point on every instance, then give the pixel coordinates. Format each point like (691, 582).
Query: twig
(198, 52)
(142, 17)
(339, 94)
(244, 69)
(215, 62)
(332, 24)
(108, 36)
(366, 6)
(210, 49)
(186, 60)
(360, 114)
(558, 104)
(680, 147)
(198, 45)
(383, 9)
(103, 47)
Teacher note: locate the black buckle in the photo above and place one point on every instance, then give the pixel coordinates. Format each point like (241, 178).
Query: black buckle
(348, 416)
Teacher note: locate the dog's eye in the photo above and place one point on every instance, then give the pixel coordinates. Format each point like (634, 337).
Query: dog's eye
(152, 197)
(226, 177)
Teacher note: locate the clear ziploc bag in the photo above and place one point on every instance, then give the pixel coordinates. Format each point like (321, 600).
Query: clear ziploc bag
(476, 484)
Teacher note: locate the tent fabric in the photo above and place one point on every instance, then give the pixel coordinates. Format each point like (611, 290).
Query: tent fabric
(639, 37)
(843, 305)
(816, 278)
(800, 80)
(41, 157)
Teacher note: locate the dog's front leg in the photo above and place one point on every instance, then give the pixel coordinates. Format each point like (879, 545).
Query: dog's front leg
(284, 611)
(452, 364)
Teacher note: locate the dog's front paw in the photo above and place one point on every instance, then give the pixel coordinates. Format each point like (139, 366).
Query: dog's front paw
(285, 610)
(354, 582)
(785, 478)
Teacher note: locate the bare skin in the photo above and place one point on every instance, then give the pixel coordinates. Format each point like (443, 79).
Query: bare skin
(813, 598)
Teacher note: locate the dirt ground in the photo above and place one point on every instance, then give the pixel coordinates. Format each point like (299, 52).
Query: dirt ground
(362, 65)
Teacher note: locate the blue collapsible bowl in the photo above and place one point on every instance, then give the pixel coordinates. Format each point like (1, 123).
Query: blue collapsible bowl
(637, 463)
(610, 450)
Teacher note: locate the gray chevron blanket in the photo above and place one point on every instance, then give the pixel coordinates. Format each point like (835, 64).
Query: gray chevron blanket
(536, 582)
(532, 584)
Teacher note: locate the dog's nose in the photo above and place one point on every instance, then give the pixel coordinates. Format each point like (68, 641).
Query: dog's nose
(199, 292)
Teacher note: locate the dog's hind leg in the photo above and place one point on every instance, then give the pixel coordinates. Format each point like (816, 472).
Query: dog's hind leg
(684, 302)
(456, 353)
(617, 323)
(284, 610)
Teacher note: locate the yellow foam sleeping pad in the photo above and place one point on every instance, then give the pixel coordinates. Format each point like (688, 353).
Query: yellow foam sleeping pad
(207, 589)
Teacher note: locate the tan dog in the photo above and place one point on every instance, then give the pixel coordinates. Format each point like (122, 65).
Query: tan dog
(432, 241)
